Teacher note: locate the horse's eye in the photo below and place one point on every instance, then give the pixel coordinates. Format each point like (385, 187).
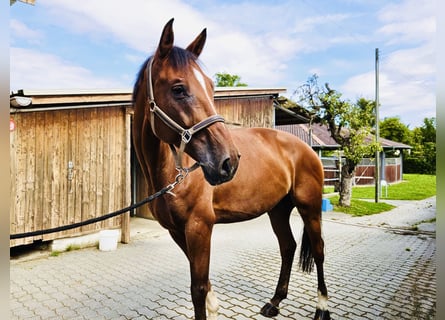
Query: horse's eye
(179, 91)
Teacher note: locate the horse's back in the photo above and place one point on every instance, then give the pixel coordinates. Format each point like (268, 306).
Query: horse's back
(273, 164)
(278, 146)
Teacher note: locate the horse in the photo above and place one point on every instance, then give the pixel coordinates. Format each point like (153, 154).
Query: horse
(178, 136)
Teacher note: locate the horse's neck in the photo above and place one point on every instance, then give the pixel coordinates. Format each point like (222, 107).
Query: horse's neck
(161, 164)
(158, 157)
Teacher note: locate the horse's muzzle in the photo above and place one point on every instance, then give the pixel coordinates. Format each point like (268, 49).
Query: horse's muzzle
(223, 172)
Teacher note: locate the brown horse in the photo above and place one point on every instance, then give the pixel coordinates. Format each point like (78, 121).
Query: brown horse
(176, 130)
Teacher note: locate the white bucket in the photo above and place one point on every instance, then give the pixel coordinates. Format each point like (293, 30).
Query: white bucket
(108, 240)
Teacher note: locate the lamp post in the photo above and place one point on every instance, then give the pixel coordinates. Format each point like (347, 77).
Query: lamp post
(377, 133)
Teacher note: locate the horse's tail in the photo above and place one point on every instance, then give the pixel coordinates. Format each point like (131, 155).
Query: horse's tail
(306, 262)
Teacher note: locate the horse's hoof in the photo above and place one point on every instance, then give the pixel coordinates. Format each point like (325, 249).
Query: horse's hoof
(322, 315)
(269, 310)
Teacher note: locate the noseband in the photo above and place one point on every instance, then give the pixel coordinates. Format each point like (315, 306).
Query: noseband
(186, 134)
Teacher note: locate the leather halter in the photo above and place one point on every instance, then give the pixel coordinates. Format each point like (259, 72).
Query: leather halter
(186, 134)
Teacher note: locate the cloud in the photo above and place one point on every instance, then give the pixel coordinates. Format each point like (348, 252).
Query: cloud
(20, 30)
(267, 44)
(407, 74)
(30, 69)
(408, 21)
(406, 85)
(131, 23)
(234, 45)
(311, 23)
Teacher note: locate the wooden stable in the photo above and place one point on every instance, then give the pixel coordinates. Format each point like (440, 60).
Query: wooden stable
(71, 157)
(246, 107)
(70, 161)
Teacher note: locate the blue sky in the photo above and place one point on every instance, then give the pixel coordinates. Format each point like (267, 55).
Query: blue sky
(100, 44)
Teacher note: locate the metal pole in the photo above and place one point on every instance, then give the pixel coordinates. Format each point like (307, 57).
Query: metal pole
(377, 133)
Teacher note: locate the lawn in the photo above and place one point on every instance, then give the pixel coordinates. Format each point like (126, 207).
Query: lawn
(413, 187)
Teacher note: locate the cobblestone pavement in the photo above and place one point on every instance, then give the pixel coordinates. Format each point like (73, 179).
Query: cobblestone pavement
(371, 273)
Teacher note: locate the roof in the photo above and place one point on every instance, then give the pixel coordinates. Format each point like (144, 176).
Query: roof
(247, 91)
(30, 99)
(287, 116)
(321, 137)
(38, 98)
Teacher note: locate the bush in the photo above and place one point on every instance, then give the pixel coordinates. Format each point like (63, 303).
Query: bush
(421, 160)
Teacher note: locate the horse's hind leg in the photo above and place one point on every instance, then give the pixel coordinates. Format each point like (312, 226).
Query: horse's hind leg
(312, 250)
(279, 218)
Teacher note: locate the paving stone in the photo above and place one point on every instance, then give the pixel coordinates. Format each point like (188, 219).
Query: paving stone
(369, 274)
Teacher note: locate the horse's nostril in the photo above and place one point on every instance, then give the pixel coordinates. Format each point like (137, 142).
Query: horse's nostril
(226, 168)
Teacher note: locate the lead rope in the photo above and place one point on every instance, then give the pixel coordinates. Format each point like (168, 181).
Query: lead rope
(182, 174)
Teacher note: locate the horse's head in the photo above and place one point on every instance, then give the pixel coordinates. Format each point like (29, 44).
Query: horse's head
(182, 110)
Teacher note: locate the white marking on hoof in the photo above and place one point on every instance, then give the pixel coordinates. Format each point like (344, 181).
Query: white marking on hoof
(322, 303)
(212, 305)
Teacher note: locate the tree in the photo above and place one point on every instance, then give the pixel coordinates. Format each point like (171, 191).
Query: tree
(350, 125)
(422, 158)
(223, 79)
(393, 129)
(11, 2)
(428, 130)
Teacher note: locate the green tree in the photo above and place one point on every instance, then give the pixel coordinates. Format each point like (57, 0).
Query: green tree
(223, 79)
(422, 158)
(428, 130)
(393, 129)
(350, 124)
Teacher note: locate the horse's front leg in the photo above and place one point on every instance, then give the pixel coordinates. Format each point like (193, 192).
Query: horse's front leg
(198, 237)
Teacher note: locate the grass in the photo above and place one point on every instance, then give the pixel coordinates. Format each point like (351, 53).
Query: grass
(71, 247)
(413, 187)
(360, 208)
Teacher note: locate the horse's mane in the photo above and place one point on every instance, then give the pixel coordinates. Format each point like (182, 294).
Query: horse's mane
(178, 58)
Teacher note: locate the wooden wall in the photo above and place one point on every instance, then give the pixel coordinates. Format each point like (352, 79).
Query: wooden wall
(45, 192)
(256, 111)
(366, 174)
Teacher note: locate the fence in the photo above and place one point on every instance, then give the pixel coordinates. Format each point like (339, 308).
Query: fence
(365, 171)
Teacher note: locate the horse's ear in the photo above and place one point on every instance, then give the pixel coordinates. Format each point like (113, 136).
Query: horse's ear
(166, 42)
(198, 44)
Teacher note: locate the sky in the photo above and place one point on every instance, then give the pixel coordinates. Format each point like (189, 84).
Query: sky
(101, 44)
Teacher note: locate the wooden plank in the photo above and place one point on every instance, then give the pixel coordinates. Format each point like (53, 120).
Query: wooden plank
(39, 170)
(113, 163)
(100, 170)
(85, 139)
(12, 178)
(94, 211)
(56, 100)
(62, 125)
(30, 214)
(48, 138)
(71, 165)
(120, 163)
(78, 158)
(54, 150)
(107, 153)
(126, 176)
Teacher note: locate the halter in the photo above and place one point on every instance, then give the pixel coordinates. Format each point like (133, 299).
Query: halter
(186, 134)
